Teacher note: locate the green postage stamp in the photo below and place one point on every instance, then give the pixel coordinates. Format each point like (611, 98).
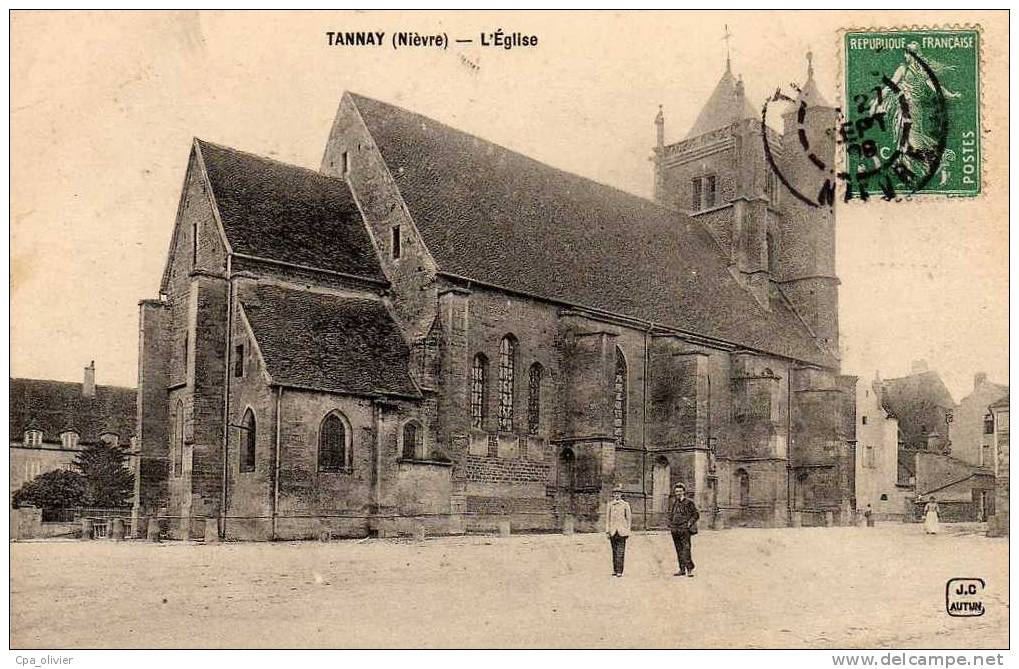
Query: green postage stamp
(912, 119)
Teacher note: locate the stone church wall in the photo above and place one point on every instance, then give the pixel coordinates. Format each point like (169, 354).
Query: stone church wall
(413, 273)
(500, 472)
(188, 338)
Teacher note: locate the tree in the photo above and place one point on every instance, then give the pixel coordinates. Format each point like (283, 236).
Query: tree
(107, 482)
(59, 489)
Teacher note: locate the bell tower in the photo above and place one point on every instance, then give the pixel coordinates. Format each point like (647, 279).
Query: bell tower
(778, 247)
(805, 266)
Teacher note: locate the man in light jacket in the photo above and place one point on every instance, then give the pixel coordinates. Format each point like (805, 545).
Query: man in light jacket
(617, 527)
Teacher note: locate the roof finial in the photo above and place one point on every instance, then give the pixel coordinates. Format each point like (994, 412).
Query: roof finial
(660, 128)
(810, 64)
(725, 38)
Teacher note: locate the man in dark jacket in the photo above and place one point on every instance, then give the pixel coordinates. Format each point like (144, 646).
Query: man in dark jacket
(683, 517)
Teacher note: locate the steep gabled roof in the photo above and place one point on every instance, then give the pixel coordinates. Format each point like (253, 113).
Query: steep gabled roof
(327, 342)
(902, 395)
(724, 107)
(498, 217)
(57, 406)
(286, 213)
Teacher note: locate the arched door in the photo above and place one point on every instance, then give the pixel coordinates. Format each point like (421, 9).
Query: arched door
(566, 474)
(565, 482)
(661, 485)
(744, 488)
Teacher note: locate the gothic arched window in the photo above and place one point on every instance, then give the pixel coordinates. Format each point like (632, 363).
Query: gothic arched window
(332, 444)
(247, 463)
(479, 382)
(619, 399)
(413, 441)
(534, 398)
(507, 374)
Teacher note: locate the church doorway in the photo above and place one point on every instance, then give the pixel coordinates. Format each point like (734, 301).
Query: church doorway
(744, 488)
(566, 473)
(565, 482)
(661, 483)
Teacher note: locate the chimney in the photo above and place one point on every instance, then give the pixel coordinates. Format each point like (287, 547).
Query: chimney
(918, 367)
(979, 379)
(88, 388)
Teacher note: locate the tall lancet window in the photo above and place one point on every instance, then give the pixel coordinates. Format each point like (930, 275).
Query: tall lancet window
(507, 379)
(534, 399)
(619, 399)
(248, 442)
(479, 381)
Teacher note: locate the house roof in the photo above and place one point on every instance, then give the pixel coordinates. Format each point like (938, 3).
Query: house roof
(58, 406)
(1001, 402)
(286, 213)
(327, 342)
(724, 107)
(902, 395)
(498, 217)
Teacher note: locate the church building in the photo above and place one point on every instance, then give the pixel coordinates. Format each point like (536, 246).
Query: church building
(433, 329)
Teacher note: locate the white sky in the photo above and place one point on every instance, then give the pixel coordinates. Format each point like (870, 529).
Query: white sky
(104, 106)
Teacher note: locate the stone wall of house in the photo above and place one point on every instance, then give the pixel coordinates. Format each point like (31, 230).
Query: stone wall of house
(876, 455)
(966, 431)
(28, 462)
(1000, 523)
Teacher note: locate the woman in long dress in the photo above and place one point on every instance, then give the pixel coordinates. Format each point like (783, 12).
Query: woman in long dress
(930, 517)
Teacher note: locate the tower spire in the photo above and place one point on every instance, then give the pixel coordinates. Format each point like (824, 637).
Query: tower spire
(809, 92)
(728, 59)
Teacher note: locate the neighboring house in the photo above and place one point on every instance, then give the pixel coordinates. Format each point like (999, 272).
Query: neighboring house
(927, 461)
(923, 407)
(437, 329)
(53, 421)
(999, 414)
(972, 424)
(964, 492)
(877, 455)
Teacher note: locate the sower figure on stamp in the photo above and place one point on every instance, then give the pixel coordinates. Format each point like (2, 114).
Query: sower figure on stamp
(683, 516)
(617, 527)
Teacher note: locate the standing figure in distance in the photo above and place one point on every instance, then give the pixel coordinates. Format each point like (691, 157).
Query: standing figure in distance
(617, 526)
(683, 517)
(930, 516)
(869, 515)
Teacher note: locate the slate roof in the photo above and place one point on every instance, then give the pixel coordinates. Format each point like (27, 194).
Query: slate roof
(499, 217)
(57, 406)
(327, 342)
(901, 395)
(282, 212)
(723, 108)
(1000, 403)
